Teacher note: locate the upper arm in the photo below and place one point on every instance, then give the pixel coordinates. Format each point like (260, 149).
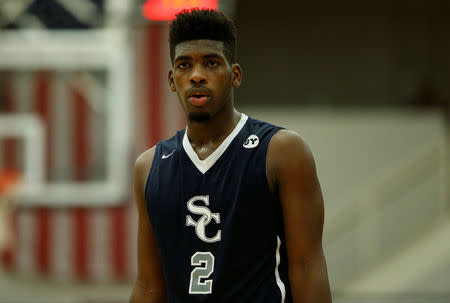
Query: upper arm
(150, 276)
(292, 171)
(294, 174)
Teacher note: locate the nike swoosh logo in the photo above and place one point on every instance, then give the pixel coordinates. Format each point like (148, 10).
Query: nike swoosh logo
(167, 156)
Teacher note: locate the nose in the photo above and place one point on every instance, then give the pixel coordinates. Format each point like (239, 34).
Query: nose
(197, 76)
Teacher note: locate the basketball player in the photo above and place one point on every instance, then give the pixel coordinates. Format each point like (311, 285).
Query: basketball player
(230, 208)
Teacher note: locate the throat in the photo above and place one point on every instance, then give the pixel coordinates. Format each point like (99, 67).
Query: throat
(205, 138)
(203, 130)
(203, 151)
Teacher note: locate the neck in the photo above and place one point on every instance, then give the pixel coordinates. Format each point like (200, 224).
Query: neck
(214, 130)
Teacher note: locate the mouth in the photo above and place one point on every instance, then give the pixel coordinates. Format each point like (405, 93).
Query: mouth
(198, 97)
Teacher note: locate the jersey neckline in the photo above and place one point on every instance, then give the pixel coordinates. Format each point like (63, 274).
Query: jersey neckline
(204, 165)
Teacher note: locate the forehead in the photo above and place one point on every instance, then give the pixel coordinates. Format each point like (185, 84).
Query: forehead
(192, 47)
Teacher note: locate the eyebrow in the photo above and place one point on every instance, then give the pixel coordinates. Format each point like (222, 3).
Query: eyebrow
(180, 58)
(208, 56)
(212, 56)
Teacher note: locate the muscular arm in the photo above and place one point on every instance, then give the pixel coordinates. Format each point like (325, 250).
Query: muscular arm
(149, 286)
(292, 172)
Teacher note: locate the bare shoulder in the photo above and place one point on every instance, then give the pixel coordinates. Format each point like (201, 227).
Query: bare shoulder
(142, 168)
(144, 160)
(288, 158)
(287, 149)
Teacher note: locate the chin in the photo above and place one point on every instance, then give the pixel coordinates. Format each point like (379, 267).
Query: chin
(199, 117)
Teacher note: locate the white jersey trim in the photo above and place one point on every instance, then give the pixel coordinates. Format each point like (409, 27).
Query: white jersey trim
(277, 274)
(204, 165)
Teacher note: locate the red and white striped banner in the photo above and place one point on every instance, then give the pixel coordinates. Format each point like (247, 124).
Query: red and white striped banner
(85, 243)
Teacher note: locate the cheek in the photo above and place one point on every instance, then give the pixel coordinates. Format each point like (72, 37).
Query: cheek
(180, 97)
(176, 80)
(223, 79)
(178, 83)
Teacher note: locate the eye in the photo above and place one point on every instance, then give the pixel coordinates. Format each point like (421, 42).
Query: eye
(183, 66)
(212, 63)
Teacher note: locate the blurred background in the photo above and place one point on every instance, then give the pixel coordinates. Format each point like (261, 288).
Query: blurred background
(83, 91)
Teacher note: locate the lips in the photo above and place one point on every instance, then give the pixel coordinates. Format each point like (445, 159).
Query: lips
(198, 100)
(198, 96)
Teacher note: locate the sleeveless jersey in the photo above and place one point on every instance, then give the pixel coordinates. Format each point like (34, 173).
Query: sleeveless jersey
(218, 226)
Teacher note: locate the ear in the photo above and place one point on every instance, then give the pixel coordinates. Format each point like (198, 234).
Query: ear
(172, 81)
(236, 71)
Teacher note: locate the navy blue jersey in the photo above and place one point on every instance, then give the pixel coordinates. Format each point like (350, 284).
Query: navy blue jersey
(218, 226)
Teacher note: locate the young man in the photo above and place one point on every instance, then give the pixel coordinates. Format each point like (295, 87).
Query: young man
(230, 209)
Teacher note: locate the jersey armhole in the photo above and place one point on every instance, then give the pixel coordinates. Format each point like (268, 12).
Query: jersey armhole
(147, 182)
(267, 184)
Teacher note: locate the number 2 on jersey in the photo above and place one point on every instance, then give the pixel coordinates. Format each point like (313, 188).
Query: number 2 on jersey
(204, 262)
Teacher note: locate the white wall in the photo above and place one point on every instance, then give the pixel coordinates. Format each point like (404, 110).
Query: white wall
(352, 146)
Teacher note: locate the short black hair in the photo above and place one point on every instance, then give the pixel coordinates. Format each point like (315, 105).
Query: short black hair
(199, 24)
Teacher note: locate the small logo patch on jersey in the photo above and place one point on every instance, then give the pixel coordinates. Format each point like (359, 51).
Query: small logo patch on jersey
(251, 142)
(167, 156)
